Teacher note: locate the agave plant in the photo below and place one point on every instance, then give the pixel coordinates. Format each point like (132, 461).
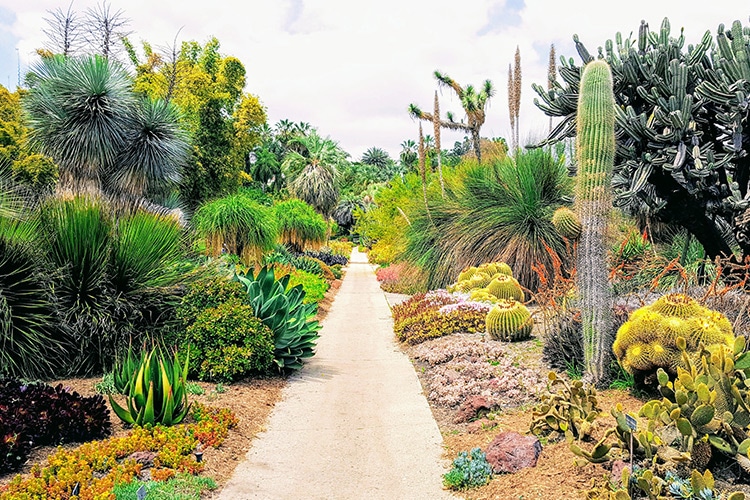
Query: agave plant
(282, 310)
(157, 393)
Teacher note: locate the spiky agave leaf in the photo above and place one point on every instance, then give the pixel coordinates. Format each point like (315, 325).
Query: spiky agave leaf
(28, 347)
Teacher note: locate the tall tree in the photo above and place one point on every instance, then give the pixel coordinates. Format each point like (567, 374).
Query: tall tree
(409, 154)
(376, 157)
(313, 177)
(473, 102)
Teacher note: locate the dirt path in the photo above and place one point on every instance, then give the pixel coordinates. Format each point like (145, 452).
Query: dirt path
(354, 422)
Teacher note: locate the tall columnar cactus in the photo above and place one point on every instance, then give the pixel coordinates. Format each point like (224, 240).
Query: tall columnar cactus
(596, 154)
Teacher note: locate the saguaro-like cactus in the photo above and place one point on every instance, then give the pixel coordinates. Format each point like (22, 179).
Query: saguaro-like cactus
(596, 154)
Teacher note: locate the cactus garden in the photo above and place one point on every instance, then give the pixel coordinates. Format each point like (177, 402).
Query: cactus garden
(574, 305)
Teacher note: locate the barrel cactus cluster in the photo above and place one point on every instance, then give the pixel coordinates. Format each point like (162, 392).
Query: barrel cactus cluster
(648, 340)
(488, 282)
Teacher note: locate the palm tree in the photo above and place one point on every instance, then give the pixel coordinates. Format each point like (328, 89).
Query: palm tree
(376, 157)
(84, 115)
(312, 177)
(409, 154)
(472, 100)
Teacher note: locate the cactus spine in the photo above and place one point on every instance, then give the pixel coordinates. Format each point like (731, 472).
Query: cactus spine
(596, 154)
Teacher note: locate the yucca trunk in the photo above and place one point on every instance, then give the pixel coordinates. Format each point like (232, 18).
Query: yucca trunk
(596, 153)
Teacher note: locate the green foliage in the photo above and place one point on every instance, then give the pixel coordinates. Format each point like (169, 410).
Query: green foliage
(299, 225)
(30, 347)
(509, 321)
(497, 212)
(83, 114)
(568, 409)
(106, 385)
(315, 286)
(228, 343)
(112, 283)
(36, 171)
(156, 393)
(470, 470)
(282, 309)
(595, 148)
(238, 225)
(206, 293)
(180, 487)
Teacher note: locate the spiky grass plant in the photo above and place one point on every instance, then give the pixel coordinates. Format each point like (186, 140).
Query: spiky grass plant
(28, 347)
(238, 225)
(300, 226)
(499, 212)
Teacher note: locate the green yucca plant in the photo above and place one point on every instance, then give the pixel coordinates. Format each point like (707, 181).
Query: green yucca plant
(237, 224)
(300, 226)
(157, 394)
(28, 346)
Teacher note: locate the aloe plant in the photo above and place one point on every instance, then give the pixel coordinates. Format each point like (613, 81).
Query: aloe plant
(157, 392)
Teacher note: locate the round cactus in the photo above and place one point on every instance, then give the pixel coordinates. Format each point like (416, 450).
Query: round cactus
(467, 273)
(493, 268)
(509, 320)
(505, 287)
(649, 339)
(567, 223)
(482, 295)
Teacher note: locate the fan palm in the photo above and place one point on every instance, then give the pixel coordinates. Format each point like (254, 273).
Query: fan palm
(409, 154)
(312, 177)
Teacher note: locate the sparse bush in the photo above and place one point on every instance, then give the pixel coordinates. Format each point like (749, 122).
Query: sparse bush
(470, 470)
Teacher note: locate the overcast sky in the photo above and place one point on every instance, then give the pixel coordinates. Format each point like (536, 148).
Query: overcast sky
(351, 67)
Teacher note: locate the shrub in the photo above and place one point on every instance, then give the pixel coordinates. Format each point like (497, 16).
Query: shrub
(314, 286)
(282, 309)
(435, 314)
(229, 343)
(207, 293)
(38, 414)
(183, 486)
(340, 248)
(469, 471)
(328, 257)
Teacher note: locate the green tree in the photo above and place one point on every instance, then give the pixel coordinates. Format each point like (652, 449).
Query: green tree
(312, 177)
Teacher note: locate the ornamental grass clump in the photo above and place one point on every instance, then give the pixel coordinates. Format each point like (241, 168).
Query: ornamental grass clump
(300, 226)
(238, 225)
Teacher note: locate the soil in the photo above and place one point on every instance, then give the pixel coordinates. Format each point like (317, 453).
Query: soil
(251, 400)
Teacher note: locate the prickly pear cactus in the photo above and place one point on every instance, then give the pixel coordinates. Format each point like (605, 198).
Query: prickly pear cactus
(509, 321)
(567, 224)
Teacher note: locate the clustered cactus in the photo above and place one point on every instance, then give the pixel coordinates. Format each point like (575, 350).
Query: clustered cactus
(648, 340)
(488, 282)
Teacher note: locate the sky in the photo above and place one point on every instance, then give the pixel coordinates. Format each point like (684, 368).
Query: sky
(350, 68)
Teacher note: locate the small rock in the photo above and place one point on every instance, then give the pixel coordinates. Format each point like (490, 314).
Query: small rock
(470, 408)
(617, 467)
(480, 425)
(511, 452)
(143, 457)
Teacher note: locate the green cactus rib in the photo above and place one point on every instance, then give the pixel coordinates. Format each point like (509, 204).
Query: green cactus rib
(596, 153)
(505, 287)
(509, 321)
(567, 224)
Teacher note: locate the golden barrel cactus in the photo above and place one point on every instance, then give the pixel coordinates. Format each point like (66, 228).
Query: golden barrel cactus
(648, 340)
(509, 321)
(567, 223)
(505, 287)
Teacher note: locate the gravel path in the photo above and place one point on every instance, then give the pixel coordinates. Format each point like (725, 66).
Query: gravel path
(353, 424)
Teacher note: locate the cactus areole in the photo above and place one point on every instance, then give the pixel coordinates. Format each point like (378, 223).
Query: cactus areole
(596, 153)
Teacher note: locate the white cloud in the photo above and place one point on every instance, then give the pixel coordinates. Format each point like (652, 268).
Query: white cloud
(351, 68)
